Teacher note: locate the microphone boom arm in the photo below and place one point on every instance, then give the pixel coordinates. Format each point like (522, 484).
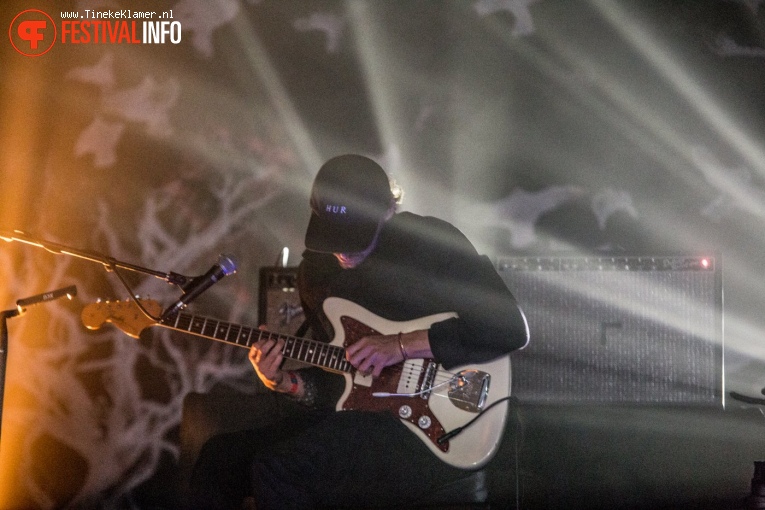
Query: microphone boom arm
(110, 264)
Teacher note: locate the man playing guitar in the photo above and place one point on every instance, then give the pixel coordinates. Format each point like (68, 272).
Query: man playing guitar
(426, 325)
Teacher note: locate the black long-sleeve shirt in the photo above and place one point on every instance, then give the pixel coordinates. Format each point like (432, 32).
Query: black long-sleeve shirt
(423, 266)
(420, 267)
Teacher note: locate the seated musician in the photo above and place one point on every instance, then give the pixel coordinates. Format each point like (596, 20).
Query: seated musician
(396, 267)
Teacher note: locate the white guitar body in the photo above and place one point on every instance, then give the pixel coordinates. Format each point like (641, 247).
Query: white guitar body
(431, 401)
(430, 415)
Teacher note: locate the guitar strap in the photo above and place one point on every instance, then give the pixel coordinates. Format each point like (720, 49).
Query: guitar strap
(303, 329)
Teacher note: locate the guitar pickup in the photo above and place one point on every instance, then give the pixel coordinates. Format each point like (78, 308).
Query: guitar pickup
(409, 381)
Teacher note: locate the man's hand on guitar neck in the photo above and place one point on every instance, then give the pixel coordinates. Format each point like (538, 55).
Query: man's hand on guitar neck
(373, 353)
(266, 358)
(369, 355)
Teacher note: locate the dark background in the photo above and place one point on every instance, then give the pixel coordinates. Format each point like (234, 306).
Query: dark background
(534, 126)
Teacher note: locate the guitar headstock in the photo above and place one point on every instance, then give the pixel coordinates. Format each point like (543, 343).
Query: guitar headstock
(124, 314)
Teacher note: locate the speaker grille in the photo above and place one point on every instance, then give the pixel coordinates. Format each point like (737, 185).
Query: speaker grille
(618, 329)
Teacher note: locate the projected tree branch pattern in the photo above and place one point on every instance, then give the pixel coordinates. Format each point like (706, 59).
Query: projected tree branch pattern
(115, 431)
(223, 173)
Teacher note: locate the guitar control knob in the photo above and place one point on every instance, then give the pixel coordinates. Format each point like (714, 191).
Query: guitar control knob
(424, 422)
(405, 412)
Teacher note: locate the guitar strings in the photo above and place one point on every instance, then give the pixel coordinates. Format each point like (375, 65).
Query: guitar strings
(441, 376)
(416, 394)
(441, 379)
(408, 369)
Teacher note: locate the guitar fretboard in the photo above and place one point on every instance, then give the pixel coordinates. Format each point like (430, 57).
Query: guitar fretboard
(309, 351)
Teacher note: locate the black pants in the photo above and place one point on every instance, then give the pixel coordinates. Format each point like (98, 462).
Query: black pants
(329, 459)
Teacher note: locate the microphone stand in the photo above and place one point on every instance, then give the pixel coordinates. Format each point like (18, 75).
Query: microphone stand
(4, 316)
(110, 264)
(69, 292)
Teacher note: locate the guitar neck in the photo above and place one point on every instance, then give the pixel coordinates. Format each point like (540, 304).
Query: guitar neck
(312, 352)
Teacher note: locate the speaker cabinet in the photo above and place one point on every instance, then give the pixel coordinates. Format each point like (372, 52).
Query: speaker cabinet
(627, 329)
(279, 307)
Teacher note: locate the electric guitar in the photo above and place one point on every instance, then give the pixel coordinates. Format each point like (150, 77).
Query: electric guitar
(429, 400)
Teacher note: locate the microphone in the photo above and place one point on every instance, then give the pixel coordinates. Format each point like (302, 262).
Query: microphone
(69, 292)
(198, 285)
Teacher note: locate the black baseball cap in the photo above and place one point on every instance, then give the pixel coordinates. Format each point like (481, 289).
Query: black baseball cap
(351, 195)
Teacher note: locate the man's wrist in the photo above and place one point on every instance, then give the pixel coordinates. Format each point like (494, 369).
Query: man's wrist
(292, 380)
(289, 383)
(416, 344)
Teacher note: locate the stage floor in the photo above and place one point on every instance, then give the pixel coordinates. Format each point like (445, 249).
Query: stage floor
(600, 457)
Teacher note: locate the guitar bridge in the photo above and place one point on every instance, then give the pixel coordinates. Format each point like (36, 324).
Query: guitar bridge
(427, 380)
(469, 389)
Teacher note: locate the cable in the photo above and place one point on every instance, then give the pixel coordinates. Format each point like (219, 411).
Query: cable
(748, 400)
(518, 440)
(454, 432)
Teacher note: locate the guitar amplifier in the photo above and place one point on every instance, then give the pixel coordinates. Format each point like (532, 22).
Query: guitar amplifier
(626, 329)
(279, 307)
